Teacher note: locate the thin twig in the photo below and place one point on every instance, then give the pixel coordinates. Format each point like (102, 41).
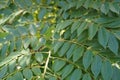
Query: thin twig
(46, 65)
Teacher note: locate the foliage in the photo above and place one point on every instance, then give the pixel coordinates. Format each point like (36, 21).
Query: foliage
(60, 39)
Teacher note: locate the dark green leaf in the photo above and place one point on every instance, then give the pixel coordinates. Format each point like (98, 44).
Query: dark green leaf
(4, 50)
(12, 65)
(27, 42)
(57, 46)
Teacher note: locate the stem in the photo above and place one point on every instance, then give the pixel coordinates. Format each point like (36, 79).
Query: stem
(46, 65)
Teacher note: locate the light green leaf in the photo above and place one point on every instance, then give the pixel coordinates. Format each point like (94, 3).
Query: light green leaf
(64, 49)
(18, 76)
(67, 70)
(87, 3)
(77, 53)
(87, 59)
(106, 70)
(113, 44)
(81, 28)
(96, 65)
(27, 74)
(57, 65)
(86, 77)
(92, 30)
(10, 78)
(52, 78)
(39, 57)
(77, 74)
(36, 71)
(103, 37)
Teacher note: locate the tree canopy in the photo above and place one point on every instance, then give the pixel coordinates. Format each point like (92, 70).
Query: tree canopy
(60, 39)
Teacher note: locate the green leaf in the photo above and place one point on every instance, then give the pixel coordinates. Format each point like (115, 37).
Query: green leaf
(106, 68)
(12, 46)
(103, 37)
(27, 42)
(42, 13)
(114, 24)
(58, 64)
(64, 49)
(87, 3)
(96, 65)
(36, 71)
(117, 34)
(114, 7)
(18, 76)
(18, 44)
(70, 51)
(12, 65)
(52, 78)
(27, 74)
(32, 29)
(63, 25)
(4, 50)
(92, 30)
(113, 44)
(77, 53)
(67, 70)
(77, 74)
(10, 78)
(3, 71)
(105, 8)
(81, 28)
(75, 25)
(87, 59)
(58, 44)
(86, 77)
(116, 73)
(22, 30)
(39, 57)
